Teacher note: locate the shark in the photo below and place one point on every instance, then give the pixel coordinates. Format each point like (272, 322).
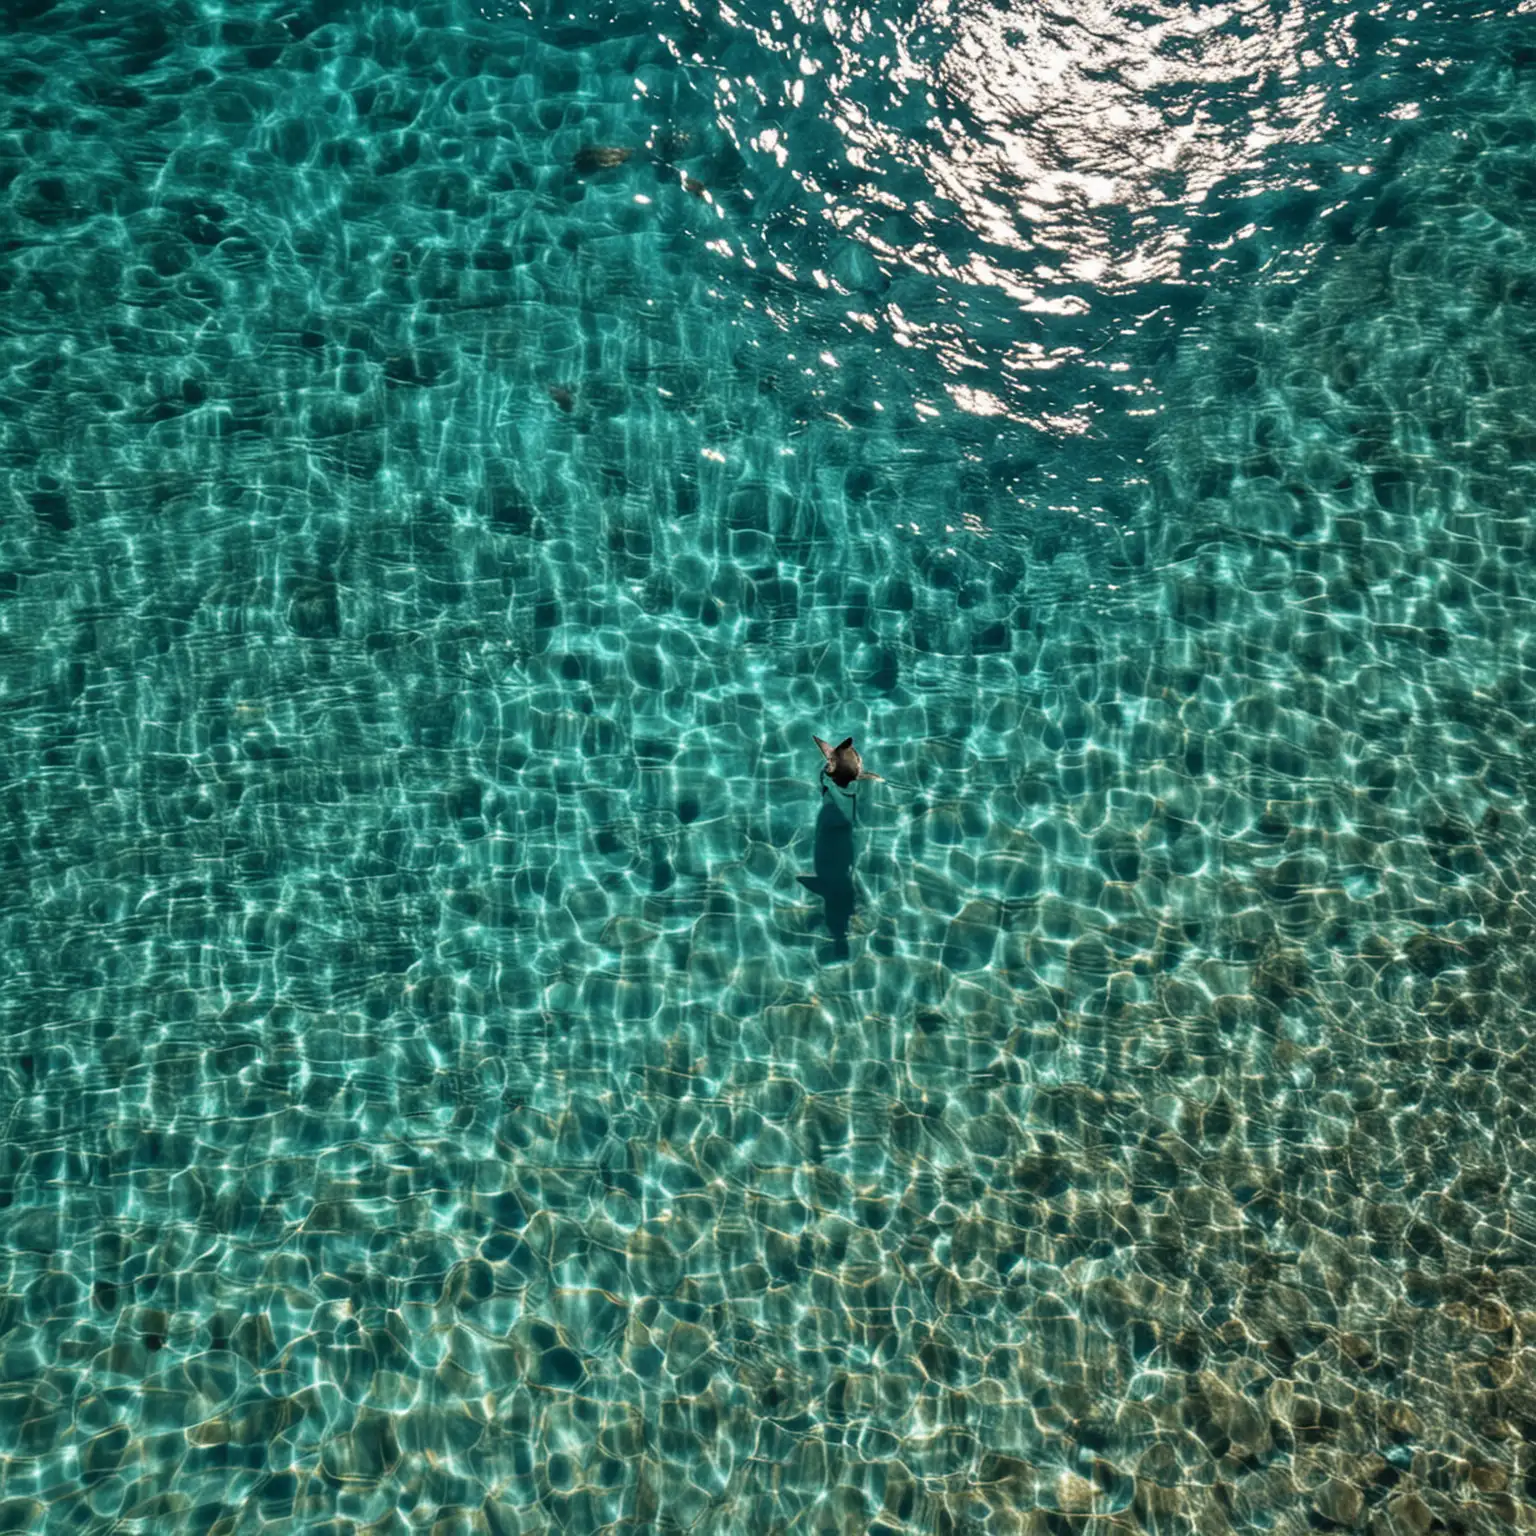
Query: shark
(832, 858)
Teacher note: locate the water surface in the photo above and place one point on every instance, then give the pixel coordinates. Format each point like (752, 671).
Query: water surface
(454, 460)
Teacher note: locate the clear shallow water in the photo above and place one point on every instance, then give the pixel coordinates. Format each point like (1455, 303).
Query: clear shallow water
(433, 1100)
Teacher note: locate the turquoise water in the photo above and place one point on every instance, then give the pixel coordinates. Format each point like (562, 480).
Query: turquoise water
(459, 1073)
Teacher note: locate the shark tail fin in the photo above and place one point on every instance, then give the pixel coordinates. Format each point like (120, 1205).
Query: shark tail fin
(843, 746)
(826, 751)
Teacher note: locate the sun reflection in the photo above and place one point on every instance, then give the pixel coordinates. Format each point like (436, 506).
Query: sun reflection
(1055, 158)
(1057, 131)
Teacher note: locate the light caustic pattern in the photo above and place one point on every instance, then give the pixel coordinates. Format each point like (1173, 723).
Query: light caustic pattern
(435, 528)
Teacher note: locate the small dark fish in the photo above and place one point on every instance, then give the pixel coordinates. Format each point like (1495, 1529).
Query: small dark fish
(562, 397)
(600, 157)
(694, 188)
(843, 764)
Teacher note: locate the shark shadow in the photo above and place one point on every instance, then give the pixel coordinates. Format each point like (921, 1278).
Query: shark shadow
(832, 857)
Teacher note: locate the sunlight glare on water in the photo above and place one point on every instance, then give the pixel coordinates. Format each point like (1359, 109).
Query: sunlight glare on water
(1026, 193)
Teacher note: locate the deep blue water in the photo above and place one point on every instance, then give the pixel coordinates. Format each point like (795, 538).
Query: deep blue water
(458, 1070)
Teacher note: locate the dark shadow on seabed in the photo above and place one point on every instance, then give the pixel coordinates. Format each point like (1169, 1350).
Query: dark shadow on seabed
(833, 860)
